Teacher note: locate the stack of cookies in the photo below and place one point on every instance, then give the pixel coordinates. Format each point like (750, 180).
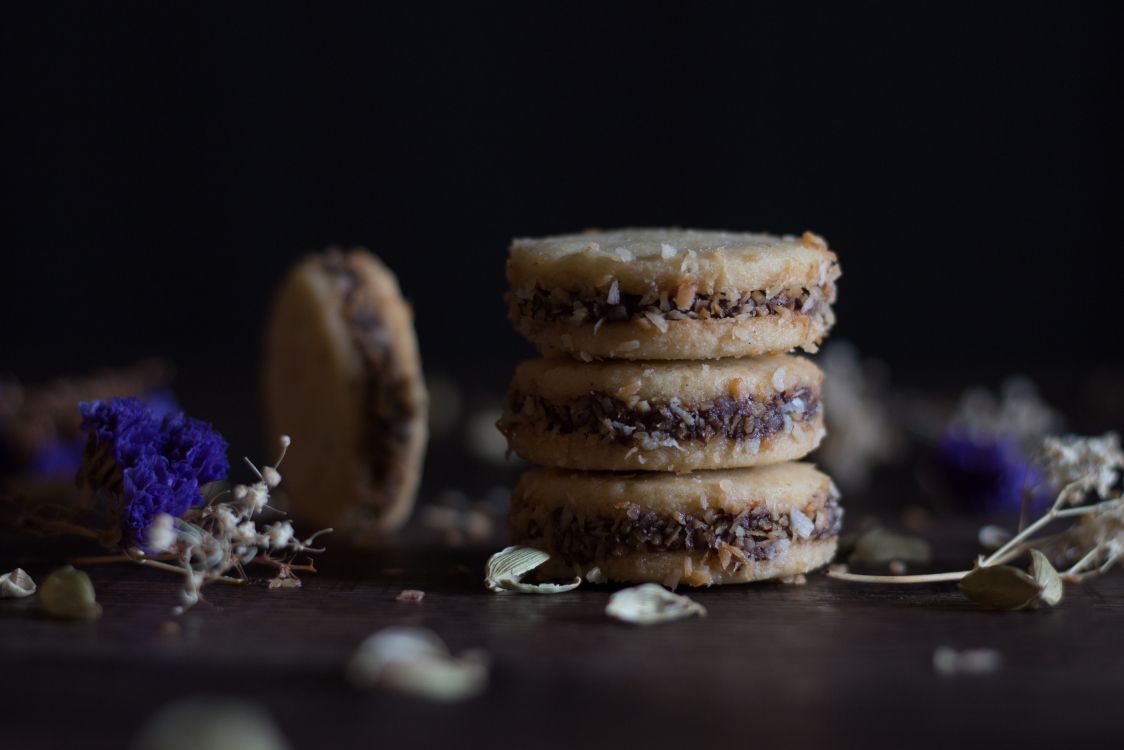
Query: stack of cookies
(666, 411)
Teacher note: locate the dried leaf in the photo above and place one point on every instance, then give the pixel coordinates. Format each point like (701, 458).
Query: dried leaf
(16, 585)
(417, 662)
(1047, 578)
(507, 567)
(650, 604)
(1001, 587)
(880, 546)
(69, 595)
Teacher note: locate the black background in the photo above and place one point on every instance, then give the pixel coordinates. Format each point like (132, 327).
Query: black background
(164, 163)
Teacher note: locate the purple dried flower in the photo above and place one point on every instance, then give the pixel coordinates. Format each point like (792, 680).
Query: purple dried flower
(195, 449)
(163, 460)
(150, 488)
(986, 472)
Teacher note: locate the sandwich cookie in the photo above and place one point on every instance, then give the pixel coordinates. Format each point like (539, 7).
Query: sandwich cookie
(672, 293)
(664, 416)
(710, 527)
(343, 378)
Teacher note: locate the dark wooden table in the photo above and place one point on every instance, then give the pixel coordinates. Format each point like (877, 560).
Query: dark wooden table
(826, 664)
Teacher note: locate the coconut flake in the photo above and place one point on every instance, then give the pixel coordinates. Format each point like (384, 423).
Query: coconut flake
(801, 525)
(614, 295)
(657, 320)
(778, 378)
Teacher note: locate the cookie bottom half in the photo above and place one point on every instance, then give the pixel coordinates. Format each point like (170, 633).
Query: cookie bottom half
(678, 340)
(700, 529)
(693, 568)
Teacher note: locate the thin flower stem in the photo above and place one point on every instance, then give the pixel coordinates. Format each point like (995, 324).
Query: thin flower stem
(1024, 509)
(922, 578)
(1083, 562)
(1079, 577)
(1011, 554)
(176, 569)
(1051, 515)
(107, 559)
(1085, 510)
(266, 560)
(1019, 538)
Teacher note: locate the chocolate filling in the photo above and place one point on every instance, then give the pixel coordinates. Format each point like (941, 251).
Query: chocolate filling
(387, 399)
(753, 535)
(546, 305)
(651, 425)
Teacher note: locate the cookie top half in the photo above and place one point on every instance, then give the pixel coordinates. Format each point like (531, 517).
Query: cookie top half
(672, 293)
(643, 258)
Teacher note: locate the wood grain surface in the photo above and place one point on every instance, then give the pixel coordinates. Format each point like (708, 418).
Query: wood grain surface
(827, 664)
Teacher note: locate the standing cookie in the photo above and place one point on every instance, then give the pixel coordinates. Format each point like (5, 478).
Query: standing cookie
(664, 416)
(672, 293)
(343, 377)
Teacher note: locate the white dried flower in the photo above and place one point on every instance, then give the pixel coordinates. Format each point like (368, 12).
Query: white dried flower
(225, 519)
(240, 491)
(161, 535)
(1089, 463)
(1018, 412)
(1103, 529)
(246, 533)
(257, 497)
(279, 534)
(270, 476)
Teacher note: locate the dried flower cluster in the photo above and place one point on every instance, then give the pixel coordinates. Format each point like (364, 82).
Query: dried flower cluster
(146, 464)
(223, 537)
(1086, 471)
(146, 478)
(1082, 464)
